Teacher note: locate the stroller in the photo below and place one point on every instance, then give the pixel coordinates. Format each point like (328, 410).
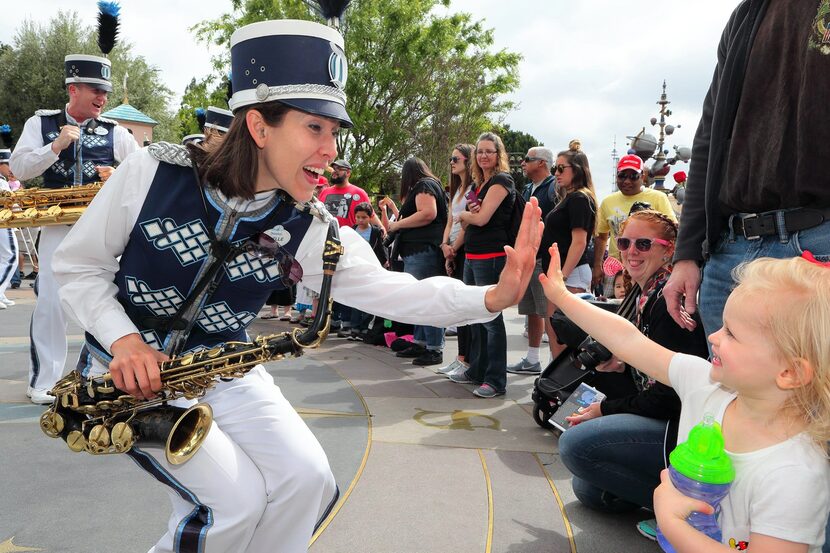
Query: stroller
(575, 365)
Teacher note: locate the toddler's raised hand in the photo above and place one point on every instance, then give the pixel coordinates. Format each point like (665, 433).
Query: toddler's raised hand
(553, 282)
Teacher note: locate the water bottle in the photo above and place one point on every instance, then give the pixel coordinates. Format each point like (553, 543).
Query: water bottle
(700, 468)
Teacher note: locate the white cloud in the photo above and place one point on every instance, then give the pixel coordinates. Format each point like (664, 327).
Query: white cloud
(591, 69)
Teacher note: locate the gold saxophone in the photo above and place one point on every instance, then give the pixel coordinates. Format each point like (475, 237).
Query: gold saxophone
(40, 207)
(91, 415)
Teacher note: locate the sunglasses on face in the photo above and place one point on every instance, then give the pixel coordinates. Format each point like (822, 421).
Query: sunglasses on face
(528, 159)
(642, 244)
(455, 159)
(561, 168)
(630, 175)
(262, 246)
(485, 152)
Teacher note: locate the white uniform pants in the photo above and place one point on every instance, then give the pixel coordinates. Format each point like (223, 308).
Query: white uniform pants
(48, 329)
(8, 258)
(259, 483)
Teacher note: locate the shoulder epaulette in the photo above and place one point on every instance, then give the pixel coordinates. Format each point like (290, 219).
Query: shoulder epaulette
(107, 120)
(174, 154)
(316, 208)
(47, 112)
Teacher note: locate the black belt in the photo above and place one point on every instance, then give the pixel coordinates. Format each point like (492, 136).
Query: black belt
(754, 226)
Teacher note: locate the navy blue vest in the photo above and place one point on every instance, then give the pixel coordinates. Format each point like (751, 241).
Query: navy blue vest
(169, 249)
(77, 166)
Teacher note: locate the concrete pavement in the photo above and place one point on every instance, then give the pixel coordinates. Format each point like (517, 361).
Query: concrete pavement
(423, 465)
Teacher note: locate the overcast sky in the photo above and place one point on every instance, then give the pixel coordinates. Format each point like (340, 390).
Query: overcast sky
(592, 69)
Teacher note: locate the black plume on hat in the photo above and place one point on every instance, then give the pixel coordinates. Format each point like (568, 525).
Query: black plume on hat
(107, 25)
(201, 116)
(6, 135)
(332, 9)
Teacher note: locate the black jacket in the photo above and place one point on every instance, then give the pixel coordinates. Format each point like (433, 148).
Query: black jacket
(700, 220)
(659, 401)
(545, 193)
(376, 242)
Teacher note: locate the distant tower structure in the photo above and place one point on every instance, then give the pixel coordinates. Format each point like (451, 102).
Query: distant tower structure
(615, 159)
(647, 146)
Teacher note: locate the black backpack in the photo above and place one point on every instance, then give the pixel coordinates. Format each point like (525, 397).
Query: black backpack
(515, 217)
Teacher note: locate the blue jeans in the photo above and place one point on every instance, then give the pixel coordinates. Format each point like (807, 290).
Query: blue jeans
(423, 265)
(488, 341)
(732, 250)
(616, 461)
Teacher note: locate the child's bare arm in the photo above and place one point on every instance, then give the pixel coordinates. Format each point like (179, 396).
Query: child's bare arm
(612, 331)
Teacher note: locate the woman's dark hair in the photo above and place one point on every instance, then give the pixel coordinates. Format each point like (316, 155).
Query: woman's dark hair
(456, 181)
(413, 170)
(365, 207)
(582, 181)
(231, 164)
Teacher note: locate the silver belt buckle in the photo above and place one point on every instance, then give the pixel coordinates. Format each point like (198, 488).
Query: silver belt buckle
(744, 219)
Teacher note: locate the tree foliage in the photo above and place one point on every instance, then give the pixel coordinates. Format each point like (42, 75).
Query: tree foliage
(200, 94)
(33, 78)
(419, 82)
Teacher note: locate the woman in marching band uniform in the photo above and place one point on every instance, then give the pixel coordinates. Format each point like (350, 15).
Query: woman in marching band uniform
(260, 481)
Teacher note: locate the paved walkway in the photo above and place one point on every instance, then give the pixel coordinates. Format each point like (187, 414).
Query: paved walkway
(423, 465)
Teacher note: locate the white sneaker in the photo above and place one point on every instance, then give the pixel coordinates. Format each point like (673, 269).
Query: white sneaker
(6, 301)
(39, 396)
(458, 371)
(3, 305)
(449, 368)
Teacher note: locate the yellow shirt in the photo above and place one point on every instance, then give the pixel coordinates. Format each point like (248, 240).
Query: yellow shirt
(614, 210)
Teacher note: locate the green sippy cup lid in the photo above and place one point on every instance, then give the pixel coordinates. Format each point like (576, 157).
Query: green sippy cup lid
(702, 456)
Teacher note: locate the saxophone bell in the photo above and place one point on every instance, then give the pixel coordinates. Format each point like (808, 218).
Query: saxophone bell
(180, 431)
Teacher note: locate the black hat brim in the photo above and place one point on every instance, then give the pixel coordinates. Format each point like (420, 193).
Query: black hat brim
(326, 108)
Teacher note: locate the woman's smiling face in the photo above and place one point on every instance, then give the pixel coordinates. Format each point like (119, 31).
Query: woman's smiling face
(294, 153)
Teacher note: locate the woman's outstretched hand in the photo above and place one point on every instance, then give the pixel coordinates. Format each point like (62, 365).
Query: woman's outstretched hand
(521, 260)
(553, 282)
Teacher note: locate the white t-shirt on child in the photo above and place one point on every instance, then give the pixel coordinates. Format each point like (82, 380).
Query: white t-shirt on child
(779, 491)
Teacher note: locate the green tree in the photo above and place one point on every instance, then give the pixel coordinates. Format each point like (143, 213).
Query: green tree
(33, 78)
(200, 94)
(517, 143)
(419, 82)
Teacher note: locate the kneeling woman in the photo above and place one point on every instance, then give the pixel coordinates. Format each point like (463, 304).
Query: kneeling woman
(617, 448)
(260, 481)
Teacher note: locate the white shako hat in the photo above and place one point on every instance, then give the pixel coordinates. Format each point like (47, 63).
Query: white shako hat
(92, 70)
(299, 63)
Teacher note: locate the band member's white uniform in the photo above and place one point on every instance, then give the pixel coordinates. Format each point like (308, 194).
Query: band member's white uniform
(32, 157)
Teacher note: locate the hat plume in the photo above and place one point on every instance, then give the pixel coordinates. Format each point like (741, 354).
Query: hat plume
(107, 25)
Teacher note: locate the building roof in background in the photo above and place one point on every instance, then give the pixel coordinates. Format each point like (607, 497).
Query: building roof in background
(126, 112)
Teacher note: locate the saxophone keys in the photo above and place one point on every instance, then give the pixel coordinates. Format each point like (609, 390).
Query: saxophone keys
(99, 440)
(76, 441)
(52, 424)
(122, 436)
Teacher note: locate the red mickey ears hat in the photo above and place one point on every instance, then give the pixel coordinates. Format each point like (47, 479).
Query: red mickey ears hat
(611, 266)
